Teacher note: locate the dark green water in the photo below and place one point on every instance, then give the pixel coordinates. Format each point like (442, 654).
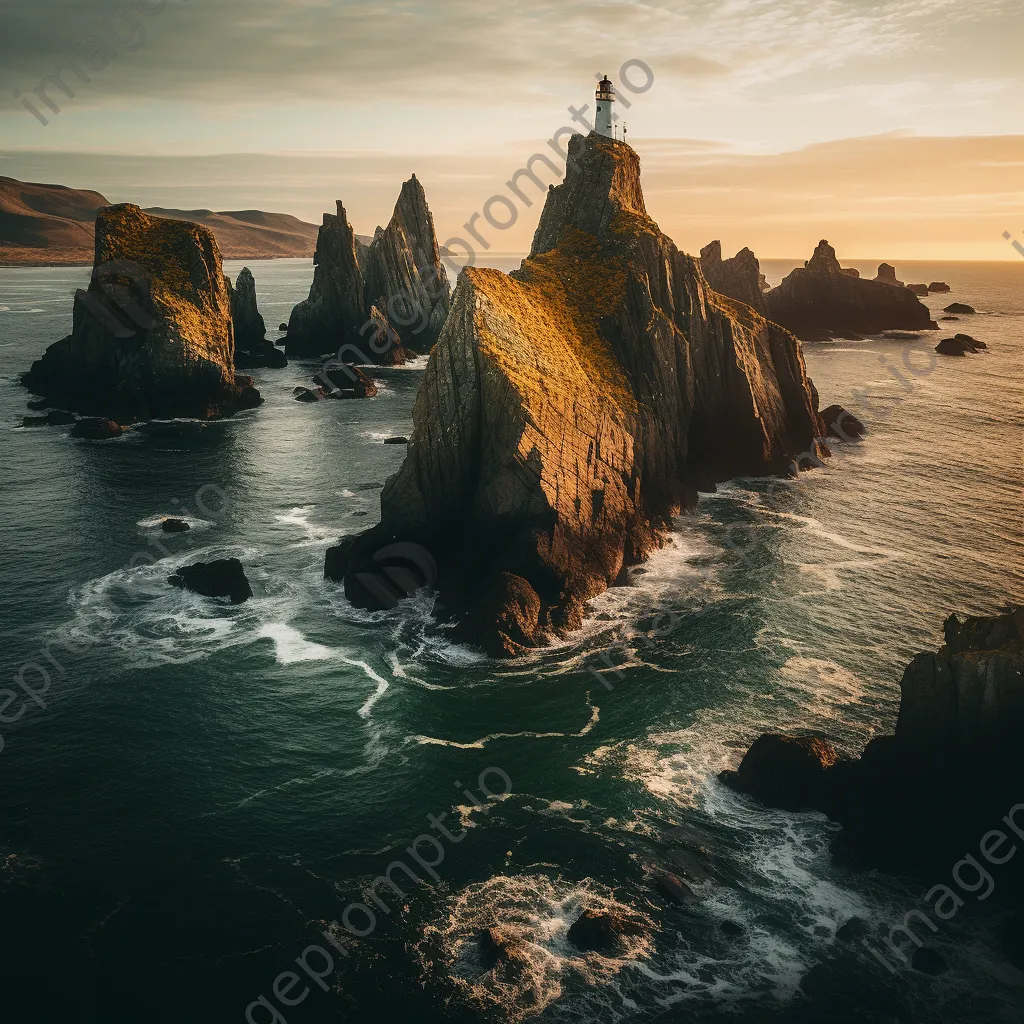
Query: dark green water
(208, 788)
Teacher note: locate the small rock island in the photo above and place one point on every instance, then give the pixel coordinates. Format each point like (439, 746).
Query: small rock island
(569, 409)
(153, 335)
(820, 300)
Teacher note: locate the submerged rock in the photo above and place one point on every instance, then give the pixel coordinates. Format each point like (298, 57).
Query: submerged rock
(842, 424)
(739, 277)
(570, 408)
(602, 931)
(96, 429)
(172, 525)
(396, 440)
(54, 418)
(222, 578)
(959, 345)
(153, 334)
(252, 348)
(819, 299)
(959, 307)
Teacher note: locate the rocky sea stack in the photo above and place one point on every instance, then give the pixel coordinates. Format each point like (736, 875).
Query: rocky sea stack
(739, 277)
(153, 334)
(372, 303)
(252, 348)
(569, 409)
(915, 801)
(819, 300)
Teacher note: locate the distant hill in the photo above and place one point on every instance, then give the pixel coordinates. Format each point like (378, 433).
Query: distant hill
(44, 224)
(50, 217)
(249, 234)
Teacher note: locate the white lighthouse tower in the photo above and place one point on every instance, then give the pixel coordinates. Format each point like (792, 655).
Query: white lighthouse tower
(604, 123)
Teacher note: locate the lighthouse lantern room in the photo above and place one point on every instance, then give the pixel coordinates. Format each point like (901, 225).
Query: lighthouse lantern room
(604, 123)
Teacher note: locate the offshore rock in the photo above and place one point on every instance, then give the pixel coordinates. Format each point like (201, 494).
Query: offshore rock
(959, 345)
(252, 348)
(222, 578)
(915, 801)
(333, 314)
(959, 307)
(739, 277)
(920, 290)
(97, 429)
(368, 303)
(153, 335)
(938, 287)
(570, 409)
(404, 275)
(820, 300)
(887, 275)
(842, 424)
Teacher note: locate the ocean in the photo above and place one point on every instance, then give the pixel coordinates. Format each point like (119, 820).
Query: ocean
(198, 797)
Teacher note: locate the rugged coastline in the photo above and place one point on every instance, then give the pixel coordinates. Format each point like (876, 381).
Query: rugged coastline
(570, 409)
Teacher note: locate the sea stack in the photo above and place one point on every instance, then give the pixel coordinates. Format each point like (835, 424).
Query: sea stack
(372, 303)
(252, 348)
(887, 275)
(819, 300)
(153, 334)
(916, 800)
(739, 277)
(570, 408)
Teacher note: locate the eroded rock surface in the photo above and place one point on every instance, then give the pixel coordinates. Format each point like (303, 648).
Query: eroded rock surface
(372, 303)
(916, 800)
(569, 409)
(153, 334)
(252, 348)
(820, 300)
(739, 277)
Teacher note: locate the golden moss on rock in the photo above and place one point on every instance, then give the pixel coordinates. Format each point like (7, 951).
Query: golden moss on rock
(570, 408)
(153, 334)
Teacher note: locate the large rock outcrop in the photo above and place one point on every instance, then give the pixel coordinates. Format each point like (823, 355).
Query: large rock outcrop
(333, 313)
(252, 347)
(739, 277)
(371, 303)
(153, 334)
(819, 300)
(405, 280)
(570, 408)
(915, 801)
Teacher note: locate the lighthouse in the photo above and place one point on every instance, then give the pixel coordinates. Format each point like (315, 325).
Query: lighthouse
(604, 123)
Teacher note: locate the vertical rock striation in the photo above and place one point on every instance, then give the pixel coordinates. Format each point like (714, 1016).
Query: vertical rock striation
(372, 303)
(332, 315)
(153, 334)
(739, 277)
(570, 409)
(819, 299)
(252, 347)
(404, 277)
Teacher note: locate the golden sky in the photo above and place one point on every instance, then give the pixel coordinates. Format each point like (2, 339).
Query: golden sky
(892, 129)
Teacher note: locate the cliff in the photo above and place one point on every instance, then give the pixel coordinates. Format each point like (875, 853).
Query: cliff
(569, 409)
(739, 277)
(252, 348)
(819, 299)
(375, 300)
(153, 334)
(914, 801)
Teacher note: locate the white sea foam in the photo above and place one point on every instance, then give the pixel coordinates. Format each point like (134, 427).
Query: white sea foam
(290, 646)
(300, 517)
(533, 913)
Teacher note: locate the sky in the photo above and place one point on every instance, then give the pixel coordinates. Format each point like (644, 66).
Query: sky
(891, 127)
